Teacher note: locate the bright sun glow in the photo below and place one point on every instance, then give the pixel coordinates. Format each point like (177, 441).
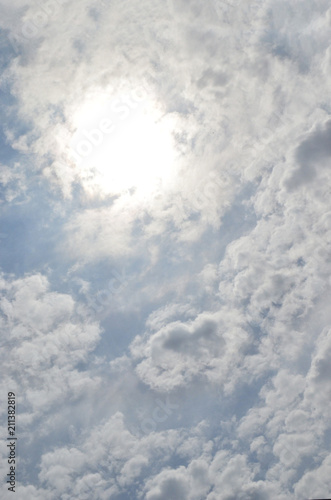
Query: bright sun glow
(122, 144)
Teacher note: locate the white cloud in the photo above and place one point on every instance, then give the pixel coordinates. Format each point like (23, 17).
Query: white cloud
(316, 482)
(178, 352)
(43, 334)
(244, 369)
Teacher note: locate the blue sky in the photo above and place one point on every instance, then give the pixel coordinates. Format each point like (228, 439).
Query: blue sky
(165, 248)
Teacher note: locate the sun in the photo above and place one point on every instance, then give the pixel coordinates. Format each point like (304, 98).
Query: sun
(124, 143)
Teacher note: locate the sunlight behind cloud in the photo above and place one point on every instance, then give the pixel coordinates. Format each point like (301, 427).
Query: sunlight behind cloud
(122, 144)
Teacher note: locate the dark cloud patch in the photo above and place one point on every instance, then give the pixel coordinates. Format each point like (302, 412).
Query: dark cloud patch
(212, 78)
(180, 338)
(312, 154)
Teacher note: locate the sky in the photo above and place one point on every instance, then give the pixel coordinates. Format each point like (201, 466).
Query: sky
(165, 230)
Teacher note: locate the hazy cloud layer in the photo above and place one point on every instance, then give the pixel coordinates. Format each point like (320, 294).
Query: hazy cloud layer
(166, 328)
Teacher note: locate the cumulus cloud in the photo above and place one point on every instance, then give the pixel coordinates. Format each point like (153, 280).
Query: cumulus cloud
(209, 346)
(44, 339)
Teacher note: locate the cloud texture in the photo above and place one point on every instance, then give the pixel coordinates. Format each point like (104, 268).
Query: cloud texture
(167, 341)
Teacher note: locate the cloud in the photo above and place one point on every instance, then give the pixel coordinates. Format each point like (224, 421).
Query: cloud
(99, 233)
(13, 184)
(175, 343)
(109, 448)
(43, 333)
(169, 484)
(311, 153)
(318, 377)
(316, 482)
(179, 352)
